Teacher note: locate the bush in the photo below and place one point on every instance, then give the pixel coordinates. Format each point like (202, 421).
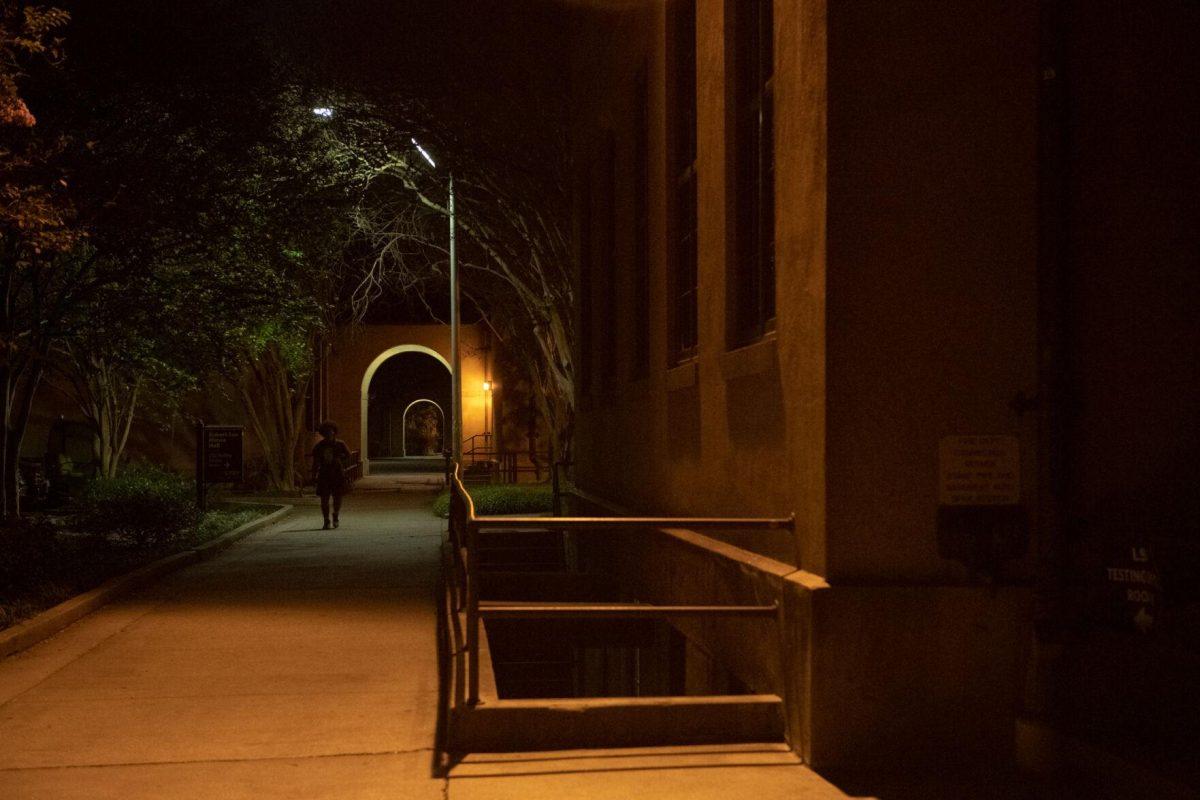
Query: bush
(28, 551)
(218, 521)
(144, 504)
(503, 498)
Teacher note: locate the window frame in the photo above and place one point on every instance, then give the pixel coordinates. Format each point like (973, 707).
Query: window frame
(683, 233)
(751, 277)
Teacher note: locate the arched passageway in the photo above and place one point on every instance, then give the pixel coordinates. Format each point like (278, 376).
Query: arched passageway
(424, 429)
(406, 399)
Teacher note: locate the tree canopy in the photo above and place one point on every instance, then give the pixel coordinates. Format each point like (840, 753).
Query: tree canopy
(201, 220)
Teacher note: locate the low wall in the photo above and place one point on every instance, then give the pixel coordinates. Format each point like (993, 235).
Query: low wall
(869, 674)
(918, 673)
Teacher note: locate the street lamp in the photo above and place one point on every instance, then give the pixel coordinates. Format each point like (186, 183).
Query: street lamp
(455, 365)
(423, 152)
(487, 417)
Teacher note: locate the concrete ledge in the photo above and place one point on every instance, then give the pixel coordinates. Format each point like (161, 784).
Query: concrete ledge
(755, 358)
(534, 725)
(211, 548)
(683, 376)
(52, 620)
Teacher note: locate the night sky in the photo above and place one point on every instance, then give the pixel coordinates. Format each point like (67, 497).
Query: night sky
(481, 65)
(444, 52)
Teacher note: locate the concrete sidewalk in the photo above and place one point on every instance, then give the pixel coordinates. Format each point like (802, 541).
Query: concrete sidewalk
(301, 664)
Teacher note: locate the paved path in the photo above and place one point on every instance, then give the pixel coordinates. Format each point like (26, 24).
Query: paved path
(300, 664)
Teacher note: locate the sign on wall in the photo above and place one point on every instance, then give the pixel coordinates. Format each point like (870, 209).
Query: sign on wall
(1133, 587)
(980, 520)
(979, 471)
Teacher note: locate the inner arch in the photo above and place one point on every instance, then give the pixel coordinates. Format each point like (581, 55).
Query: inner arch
(395, 379)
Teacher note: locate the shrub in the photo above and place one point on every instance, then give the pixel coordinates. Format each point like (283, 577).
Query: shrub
(503, 498)
(28, 551)
(255, 474)
(218, 521)
(144, 504)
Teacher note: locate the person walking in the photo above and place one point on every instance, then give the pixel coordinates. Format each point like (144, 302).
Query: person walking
(330, 457)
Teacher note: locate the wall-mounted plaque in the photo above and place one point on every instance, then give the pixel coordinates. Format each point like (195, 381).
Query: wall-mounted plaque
(979, 471)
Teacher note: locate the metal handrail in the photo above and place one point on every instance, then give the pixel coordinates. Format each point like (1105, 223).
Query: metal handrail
(505, 463)
(615, 611)
(354, 470)
(630, 523)
(465, 527)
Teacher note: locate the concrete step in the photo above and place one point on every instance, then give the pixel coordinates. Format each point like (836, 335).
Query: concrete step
(529, 725)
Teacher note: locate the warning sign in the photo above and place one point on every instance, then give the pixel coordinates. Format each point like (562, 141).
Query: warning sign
(979, 471)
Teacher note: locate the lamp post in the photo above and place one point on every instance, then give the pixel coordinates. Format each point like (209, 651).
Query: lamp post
(455, 362)
(487, 416)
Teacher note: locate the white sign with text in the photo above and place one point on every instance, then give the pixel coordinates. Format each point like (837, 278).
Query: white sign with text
(979, 471)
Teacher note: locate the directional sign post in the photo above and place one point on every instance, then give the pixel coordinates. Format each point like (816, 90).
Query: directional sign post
(218, 457)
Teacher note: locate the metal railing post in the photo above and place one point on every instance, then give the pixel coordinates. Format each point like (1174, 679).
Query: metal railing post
(466, 530)
(472, 613)
(555, 491)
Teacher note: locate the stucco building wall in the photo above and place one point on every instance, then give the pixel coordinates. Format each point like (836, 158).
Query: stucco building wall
(906, 279)
(354, 354)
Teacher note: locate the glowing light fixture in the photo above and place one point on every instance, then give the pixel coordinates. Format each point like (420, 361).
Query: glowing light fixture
(422, 151)
(323, 111)
(487, 386)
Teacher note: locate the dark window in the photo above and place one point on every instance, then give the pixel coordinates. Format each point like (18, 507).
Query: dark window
(683, 324)
(641, 229)
(752, 273)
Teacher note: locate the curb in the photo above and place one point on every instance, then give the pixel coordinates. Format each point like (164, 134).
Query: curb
(52, 620)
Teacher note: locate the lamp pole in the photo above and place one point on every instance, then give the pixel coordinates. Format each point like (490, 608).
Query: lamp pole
(455, 362)
(456, 369)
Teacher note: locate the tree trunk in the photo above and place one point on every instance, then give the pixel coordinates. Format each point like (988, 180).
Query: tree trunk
(274, 403)
(6, 474)
(19, 391)
(116, 404)
(107, 395)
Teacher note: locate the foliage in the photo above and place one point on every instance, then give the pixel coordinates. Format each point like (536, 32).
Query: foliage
(41, 566)
(129, 348)
(145, 505)
(25, 31)
(272, 387)
(214, 196)
(220, 521)
(28, 548)
(503, 498)
(37, 224)
(229, 221)
(512, 214)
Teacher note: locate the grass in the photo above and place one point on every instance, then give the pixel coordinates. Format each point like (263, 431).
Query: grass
(503, 498)
(222, 520)
(72, 563)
